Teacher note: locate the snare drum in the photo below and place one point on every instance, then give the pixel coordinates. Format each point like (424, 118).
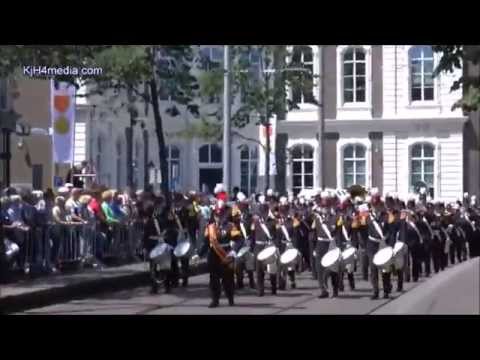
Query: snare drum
(332, 259)
(268, 255)
(384, 257)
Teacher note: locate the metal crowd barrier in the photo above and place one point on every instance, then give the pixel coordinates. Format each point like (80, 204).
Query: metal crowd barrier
(41, 248)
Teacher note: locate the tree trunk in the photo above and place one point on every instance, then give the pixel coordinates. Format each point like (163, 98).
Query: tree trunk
(161, 141)
(129, 138)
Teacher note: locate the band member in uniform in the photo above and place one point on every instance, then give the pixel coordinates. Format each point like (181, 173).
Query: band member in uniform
(343, 239)
(179, 221)
(285, 234)
(375, 238)
(260, 239)
(410, 234)
(438, 239)
(393, 228)
(242, 222)
(427, 234)
(220, 256)
(323, 226)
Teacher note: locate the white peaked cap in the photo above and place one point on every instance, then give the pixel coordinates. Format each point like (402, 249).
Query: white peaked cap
(269, 192)
(374, 191)
(423, 190)
(363, 207)
(324, 194)
(37, 192)
(63, 189)
(368, 198)
(219, 188)
(241, 196)
(283, 200)
(465, 195)
(69, 185)
(318, 191)
(261, 199)
(302, 200)
(357, 199)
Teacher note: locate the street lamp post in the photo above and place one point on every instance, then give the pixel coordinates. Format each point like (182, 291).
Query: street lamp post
(226, 121)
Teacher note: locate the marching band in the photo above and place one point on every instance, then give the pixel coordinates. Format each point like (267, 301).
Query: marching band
(331, 233)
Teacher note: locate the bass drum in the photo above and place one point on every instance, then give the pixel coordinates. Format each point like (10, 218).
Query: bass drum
(161, 255)
(399, 251)
(384, 258)
(290, 257)
(268, 255)
(183, 249)
(332, 260)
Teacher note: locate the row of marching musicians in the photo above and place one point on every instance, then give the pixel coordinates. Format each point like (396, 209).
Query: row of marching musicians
(271, 240)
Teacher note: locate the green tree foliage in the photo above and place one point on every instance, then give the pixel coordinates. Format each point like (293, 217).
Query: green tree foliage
(455, 57)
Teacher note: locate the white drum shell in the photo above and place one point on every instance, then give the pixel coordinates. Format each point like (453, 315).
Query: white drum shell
(399, 251)
(268, 255)
(182, 249)
(242, 253)
(289, 257)
(11, 249)
(332, 259)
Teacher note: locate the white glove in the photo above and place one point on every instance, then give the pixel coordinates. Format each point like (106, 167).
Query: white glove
(231, 254)
(314, 254)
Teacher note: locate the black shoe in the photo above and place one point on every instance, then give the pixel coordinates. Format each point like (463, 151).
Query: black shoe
(252, 285)
(386, 296)
(185, 283)
(323, 295)
(335, 294)
(213, 304)
(294, 285)
(231, 302)
(374, 296)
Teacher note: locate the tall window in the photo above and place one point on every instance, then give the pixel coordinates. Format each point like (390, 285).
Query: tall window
(354, 165)
(120, 164)
(303, 57)
(3, 94)
(422, 165)
(210, 153)
(421, 70)
(248, 169)
(302, 168)
(354, 76)
(173, 157)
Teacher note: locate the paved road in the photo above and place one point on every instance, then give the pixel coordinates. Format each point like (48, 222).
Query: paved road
(301, 301)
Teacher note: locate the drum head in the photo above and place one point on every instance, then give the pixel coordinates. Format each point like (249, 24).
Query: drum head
(266, 253)
(288, 256)
(348, 253)
(158, 251)
(331, 257)
(182, 249)
(399, 247)
(383, 256)
(244, 250)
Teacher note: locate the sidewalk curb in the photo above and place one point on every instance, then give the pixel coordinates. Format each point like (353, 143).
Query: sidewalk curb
(54, 295)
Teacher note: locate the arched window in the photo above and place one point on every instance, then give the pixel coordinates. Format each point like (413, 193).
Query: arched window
(302, 167)
(422, 165)
(210, 153)
(120, 177)
(421, 73)
(302, 56)
(248, 169)
(173, 157)
(354, 165)
(354, 76)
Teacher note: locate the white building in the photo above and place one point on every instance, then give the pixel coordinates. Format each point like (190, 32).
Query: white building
(388, 123)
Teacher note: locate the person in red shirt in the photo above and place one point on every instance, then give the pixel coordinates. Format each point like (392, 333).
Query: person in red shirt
(220, 193)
